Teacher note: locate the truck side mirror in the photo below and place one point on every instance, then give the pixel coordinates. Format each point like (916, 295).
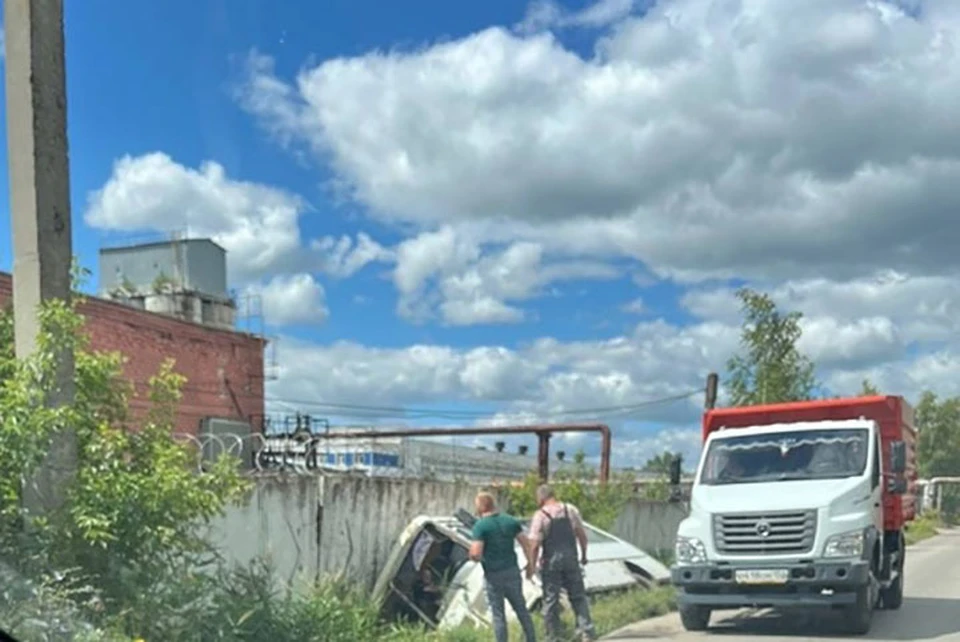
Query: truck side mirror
(676, 470)
(898, 457)
(896, 485)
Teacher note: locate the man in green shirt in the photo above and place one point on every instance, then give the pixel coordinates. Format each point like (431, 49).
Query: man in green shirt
(493, 546)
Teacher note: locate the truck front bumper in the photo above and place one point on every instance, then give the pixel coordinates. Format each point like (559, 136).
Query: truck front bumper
(816, 583)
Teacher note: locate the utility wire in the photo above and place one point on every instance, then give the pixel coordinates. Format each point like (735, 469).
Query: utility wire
(356, 410)
(369, 411)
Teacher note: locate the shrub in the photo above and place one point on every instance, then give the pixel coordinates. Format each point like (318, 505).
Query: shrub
(599, 504)
(134, 510)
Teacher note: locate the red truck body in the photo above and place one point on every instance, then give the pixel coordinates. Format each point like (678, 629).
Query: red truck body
(893, 414)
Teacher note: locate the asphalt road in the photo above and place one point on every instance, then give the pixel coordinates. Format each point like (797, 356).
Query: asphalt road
(930, 611)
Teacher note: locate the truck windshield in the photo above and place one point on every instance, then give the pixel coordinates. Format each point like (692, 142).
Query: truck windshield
(808, 454)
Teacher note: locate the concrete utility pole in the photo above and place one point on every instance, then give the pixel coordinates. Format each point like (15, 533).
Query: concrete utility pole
(40, 205)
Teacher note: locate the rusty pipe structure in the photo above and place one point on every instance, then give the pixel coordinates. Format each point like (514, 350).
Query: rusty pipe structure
(542, 431)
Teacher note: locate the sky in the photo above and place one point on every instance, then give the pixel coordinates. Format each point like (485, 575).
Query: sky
(502, 212)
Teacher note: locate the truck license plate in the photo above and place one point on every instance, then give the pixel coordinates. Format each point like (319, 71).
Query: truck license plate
(762, 576)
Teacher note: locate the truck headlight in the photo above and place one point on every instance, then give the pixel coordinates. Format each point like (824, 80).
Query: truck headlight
(845, 545)
(690, 550)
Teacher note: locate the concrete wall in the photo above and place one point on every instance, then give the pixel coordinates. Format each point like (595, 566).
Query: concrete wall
(314, 526)
(363, 517)
(651, 526)
(278, 523)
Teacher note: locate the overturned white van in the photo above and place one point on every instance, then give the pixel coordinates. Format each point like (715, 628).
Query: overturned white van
(429, 577)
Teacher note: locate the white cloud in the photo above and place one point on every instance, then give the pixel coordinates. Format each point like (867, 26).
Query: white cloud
(289, 299)
(877, 329)
(257, 224)
(922, 308)
(808, 148)
(445, 272)
(898, 330)
(343, 257)
(705, 138)
(683, 440)
(636, 306)
(546, 14)
(544, 378)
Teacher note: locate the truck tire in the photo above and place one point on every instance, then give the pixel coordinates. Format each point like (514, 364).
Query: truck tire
(860, 613)
(892, 596)
(695, 617)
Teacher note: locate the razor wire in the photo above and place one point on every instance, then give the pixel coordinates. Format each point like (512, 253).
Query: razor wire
(260, 454)
(311, 455)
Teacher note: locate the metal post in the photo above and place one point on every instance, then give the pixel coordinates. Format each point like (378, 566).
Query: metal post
(605, 447)
(543, 456)
(710, 394)
(40, 206)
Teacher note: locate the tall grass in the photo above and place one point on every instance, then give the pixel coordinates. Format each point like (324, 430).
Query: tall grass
(247, 605)
(925, 526)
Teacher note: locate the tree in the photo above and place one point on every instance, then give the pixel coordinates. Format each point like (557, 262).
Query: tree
(660, 464)
(771, 368)
(938, 446)
(135, 512)
(867, 389)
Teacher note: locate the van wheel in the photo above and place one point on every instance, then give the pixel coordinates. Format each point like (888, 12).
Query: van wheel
(695, 617)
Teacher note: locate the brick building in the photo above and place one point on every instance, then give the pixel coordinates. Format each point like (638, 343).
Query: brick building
(224, 369)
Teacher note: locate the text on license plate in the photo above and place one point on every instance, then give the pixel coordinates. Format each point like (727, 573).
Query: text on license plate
(762, 576)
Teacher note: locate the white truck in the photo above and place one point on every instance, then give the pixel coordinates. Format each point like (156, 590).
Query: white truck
(799, 505)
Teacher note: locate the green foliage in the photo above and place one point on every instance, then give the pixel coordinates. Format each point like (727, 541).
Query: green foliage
(579, 485)
(867, 389)
(245, 604)
(771, 368)
(135, 511)
(924, 527)
(163, 283)
(657, 490)
(938, 447)
(660, 464)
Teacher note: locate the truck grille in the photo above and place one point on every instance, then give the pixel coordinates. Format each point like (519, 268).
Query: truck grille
(765, 533)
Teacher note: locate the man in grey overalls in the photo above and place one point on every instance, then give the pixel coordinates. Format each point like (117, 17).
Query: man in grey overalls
(555, 530)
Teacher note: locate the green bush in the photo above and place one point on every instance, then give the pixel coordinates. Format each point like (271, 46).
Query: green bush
(599, 504)
(136, 506)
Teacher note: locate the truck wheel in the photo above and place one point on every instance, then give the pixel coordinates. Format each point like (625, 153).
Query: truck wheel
(860, 614)
(892, 596)
(695, 617)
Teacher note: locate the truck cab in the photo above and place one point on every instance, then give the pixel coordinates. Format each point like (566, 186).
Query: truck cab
(797, 506)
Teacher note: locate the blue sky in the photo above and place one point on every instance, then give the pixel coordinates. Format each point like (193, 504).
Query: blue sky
(556, 198)
(164, 83)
